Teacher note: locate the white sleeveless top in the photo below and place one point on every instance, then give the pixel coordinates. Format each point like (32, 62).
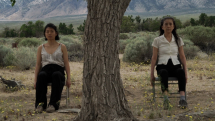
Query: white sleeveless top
(54, 58)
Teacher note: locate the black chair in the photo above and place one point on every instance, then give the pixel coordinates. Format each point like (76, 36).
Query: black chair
(67, 94)
(171, 80)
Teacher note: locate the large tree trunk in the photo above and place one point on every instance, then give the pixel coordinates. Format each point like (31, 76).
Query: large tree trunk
(103, 92)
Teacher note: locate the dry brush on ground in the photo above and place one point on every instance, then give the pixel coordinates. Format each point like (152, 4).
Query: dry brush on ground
(200, 93)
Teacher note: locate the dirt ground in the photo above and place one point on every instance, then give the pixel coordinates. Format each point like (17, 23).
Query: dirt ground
(19, 105)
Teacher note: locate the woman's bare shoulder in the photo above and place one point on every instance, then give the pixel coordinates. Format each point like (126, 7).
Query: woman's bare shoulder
(63, 46)
(40, 48)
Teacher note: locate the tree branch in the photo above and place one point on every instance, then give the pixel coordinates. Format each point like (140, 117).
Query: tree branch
(13, 2)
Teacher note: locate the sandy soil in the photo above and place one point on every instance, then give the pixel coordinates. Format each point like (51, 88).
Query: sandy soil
(19, 105)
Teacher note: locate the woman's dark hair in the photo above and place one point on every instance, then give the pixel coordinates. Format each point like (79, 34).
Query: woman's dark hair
(173, 31)
(51, 25)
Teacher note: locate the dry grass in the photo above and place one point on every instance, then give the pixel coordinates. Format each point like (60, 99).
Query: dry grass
(19, 105)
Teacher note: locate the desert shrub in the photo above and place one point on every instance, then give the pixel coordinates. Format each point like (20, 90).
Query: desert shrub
(2, 41)
(201, 36)
(25, 57)
(123, 36)
(8, 59)
(18, 39)
(186, 23)
(139, 49)
(74, 48)
(187, 42)
(132, 36)
(190, 50)
(4, 50)
(122, 45)
(30, 42)
(7, 41)
(65, 38)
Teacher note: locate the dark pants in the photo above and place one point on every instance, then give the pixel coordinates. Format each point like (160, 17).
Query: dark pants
(170, 70)
(50, 74)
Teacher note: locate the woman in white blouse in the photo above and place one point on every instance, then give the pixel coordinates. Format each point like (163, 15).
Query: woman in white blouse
(52, 60)
(166, 48)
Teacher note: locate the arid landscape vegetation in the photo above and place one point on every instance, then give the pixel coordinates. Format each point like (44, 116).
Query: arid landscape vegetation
(95, 33)
(18, 104)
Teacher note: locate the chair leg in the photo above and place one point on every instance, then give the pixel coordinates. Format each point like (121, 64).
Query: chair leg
(67, 97)
(185, 93)
(153, 92)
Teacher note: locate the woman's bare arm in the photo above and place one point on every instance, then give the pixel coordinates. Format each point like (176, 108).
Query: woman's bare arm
(38, 64)
(153, 62)
(66, 63)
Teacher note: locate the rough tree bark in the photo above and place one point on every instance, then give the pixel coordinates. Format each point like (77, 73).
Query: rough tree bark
(103, 92)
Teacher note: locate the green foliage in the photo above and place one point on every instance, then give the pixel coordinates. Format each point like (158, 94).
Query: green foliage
(127, 24)
(210, 21)
(74, 48)
(32, 29)
(122, 44)
(27, 30)
(139, 49)
(7, 32)
(70, 29)
(193, 22)
(29, 42)
(186, 24)
(62, 28)
(4, 50)
(188, 42)
(201, 36)
(18, 40)
(9, 59)
(7, 41)
(138, 19)
(82, 26)
(153, 25)
(131, 18)
(204, 20)
(39, 26)
(13, 2)
(146, 24)
(190, 50)
(123, 36)
(25, 57)
(138, 25)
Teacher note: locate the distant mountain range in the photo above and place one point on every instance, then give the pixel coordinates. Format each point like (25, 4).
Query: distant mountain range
(37, 9)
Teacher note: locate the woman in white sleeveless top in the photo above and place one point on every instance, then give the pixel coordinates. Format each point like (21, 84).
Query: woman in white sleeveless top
(167, 47)
(52, 60)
